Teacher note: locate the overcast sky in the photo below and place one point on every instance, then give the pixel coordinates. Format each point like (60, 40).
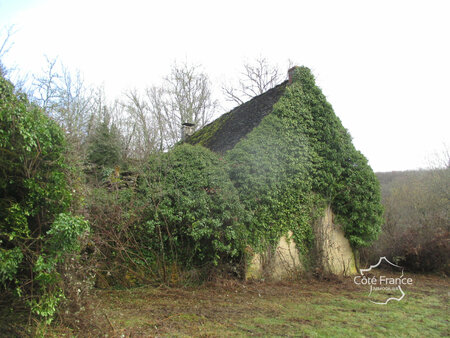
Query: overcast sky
(383, 65)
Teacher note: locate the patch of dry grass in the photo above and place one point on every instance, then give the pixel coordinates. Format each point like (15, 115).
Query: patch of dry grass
(306, 308)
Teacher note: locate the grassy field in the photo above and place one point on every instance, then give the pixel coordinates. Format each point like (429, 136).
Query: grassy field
(307, 308)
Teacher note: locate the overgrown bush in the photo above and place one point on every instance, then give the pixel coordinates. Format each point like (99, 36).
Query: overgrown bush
(184, 217)
(36, 233)
(115, 215)
(195, 208)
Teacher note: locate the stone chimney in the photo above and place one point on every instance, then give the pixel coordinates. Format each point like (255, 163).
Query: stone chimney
(291, 73)
(187, 129)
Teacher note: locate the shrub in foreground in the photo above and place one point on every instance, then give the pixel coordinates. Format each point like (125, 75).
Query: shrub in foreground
(194, 213)
(36, 233)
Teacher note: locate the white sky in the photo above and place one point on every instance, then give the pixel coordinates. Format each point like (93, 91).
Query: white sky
(383, 65)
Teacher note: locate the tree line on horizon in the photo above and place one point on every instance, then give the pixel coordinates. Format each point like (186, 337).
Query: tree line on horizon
(416, 230)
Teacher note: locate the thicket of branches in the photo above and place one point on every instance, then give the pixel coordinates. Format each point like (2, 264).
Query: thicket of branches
(416, 230)
(256, 78)
(147, 121)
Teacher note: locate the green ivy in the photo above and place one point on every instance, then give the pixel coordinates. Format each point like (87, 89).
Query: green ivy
(270, 168)
(297, 160)
(10, 261)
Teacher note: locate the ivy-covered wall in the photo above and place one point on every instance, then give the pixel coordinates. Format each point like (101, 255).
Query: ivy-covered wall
(298, 160)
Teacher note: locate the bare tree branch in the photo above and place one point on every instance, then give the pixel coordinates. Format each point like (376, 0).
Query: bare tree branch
(257, 78)
(65, 97)
(190, 94)
(7, 44)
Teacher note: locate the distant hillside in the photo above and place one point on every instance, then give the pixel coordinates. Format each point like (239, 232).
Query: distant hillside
(417, 221)
(388, 179)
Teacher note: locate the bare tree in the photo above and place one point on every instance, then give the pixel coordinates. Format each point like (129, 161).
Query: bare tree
(257, 78)
(66, 98)
(5, 44)
(156, 99)
(13, 74)
(141, 136)
(46, 90)
(441, 159)
(189, 95)
(156, 115)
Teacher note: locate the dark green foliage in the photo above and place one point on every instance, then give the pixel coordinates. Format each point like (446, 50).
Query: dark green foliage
(194, 216)
(341, 173)
(299, 157)
(180, 222)
(270, 169)
(104, 149)
(357, 203)
(33, 191)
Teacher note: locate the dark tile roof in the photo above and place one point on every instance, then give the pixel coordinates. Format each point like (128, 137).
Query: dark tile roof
(226, 131)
